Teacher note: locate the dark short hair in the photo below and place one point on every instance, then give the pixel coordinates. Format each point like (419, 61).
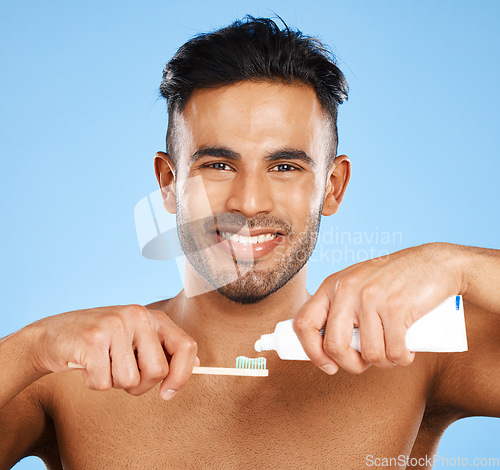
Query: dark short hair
(252, 49)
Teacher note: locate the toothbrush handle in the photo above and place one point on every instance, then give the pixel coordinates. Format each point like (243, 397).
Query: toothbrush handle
(213, 371)
(231, 371)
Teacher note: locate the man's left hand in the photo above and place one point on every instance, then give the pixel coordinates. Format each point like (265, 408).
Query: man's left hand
(383, 297)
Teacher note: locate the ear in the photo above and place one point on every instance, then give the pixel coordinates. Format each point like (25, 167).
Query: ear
(338, 178)
(165, 174)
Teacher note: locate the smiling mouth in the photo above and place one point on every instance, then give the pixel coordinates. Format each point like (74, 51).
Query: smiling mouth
(246, 240)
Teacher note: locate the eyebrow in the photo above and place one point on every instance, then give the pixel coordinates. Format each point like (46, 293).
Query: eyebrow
(221, 152)
(224, 152)
(291, 154)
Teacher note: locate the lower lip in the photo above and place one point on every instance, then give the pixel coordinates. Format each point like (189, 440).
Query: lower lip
(254, 251)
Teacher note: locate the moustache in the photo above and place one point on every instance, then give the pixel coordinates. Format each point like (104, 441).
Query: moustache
(228, 222)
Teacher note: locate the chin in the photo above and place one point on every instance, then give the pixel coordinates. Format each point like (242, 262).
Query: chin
(251, 290)
(247, 298)
(244, 299)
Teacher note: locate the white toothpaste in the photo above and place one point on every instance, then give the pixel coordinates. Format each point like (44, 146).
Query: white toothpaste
(441, 330)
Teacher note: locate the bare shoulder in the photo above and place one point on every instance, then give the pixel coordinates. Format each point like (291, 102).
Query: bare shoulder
(165, 306)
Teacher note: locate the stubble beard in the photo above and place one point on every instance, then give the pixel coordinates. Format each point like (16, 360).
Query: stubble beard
(256, 283)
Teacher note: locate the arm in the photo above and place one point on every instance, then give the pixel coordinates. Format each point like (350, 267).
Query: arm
(22, 419)
(481, 276)
(128, 347)
(16, 364)
(468, 383)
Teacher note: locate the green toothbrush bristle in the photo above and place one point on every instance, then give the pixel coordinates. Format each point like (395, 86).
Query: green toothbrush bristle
(243, 362)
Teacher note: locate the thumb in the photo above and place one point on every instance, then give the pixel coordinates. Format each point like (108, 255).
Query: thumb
(307, 325)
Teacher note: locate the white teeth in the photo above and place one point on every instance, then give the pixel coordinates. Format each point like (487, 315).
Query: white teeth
(243, 240)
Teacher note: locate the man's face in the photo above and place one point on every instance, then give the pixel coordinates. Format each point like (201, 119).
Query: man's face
(260, 153)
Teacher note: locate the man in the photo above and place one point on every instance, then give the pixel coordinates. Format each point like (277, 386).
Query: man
(251, 167)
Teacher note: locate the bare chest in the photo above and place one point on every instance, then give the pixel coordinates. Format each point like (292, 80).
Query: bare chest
(299, 420)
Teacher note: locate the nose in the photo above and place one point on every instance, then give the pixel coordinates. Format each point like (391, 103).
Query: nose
(250, 195)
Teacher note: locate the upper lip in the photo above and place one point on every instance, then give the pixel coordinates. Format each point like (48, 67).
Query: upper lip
(253, 232)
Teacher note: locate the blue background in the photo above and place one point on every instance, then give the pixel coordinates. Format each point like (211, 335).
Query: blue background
(80, 122)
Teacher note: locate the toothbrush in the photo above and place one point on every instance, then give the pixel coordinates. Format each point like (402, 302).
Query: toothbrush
(245, 367)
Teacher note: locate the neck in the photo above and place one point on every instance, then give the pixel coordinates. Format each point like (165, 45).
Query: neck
(224, 329)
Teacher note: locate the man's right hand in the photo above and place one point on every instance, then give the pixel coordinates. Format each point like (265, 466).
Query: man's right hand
(127, 347)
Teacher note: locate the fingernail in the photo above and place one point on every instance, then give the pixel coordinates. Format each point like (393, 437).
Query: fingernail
(169, 394)
(330, 369)
(197, 362)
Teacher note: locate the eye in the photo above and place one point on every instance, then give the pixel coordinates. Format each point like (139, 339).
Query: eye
(284, 167)
(221, 166)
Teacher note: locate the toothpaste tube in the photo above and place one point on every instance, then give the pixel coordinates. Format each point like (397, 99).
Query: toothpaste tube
(441, 330)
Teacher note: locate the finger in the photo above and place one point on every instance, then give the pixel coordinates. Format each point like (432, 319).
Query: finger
(152, 362)
(182, 349)
(395, 343)
(124, 368)
(307, 325)
(371, 336)
(97, 372)
(181, 369)
(338, 336)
